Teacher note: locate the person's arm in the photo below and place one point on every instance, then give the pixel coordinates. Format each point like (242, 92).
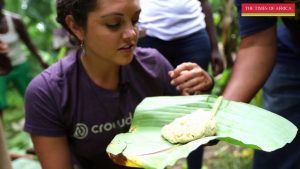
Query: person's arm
(216, 58)
(21, 29)
(3, 48)
(53, 152)
(253, 65)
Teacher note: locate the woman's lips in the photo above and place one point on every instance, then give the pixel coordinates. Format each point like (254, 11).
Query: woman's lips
(127, 48)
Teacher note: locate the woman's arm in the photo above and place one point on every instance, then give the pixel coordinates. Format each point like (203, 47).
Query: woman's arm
(53, 152)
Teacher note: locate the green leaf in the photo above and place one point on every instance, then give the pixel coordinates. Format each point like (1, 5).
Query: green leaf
(237, 123)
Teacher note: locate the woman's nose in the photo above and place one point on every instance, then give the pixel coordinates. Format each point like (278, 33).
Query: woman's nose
(130, 34)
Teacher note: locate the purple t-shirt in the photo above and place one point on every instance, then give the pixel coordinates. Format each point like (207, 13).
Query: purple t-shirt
(63, 101)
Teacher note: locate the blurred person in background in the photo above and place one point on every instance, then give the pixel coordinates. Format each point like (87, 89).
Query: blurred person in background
(63, 42)
(269, 57)
(13, 33)
(5, 64)
(183, 31)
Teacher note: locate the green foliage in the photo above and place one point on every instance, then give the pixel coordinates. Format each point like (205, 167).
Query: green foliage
(221, 81)
(39, 17)
(228, 157)
(13, 123)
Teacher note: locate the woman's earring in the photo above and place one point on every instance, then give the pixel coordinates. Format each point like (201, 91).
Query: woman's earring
(82, 45)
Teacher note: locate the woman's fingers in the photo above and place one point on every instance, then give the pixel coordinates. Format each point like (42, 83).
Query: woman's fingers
(189, 78)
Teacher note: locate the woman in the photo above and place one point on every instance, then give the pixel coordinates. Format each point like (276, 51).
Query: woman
(76, 106)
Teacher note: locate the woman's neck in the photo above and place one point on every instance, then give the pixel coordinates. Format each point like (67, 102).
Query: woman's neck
(102, 74)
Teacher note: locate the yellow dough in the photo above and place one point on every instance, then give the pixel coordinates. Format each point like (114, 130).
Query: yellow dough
(190, 127)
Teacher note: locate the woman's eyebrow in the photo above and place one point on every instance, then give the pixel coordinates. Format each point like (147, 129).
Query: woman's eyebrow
(112, 14)
(119, 14)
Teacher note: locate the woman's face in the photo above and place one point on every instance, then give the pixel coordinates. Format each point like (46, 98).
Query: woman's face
(111, 33)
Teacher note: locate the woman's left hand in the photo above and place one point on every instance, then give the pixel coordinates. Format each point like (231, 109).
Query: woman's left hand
(189, 78)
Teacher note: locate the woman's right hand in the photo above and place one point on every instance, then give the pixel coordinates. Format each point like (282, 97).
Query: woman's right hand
(189, 78)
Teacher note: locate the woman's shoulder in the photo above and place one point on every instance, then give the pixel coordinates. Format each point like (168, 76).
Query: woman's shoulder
(151, 62)
(143, 51)
(150, 56)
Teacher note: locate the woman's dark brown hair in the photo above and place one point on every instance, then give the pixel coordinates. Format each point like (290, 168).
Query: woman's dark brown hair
(79, 9)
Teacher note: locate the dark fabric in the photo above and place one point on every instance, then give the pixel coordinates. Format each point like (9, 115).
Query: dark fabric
(5, 64)
(193, 48)
(282, 96)
(194, 159)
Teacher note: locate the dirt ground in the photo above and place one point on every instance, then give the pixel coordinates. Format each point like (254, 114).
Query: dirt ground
(222, 156)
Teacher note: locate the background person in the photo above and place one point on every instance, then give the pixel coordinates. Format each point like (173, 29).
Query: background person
(76, 107)
(183, 31)
(13, 33)
(5, 64)
(273, 62)
(63, 42)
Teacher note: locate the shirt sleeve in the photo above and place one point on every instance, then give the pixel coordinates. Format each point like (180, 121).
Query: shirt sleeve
(42, 115)
(155, 67)
(250, 25)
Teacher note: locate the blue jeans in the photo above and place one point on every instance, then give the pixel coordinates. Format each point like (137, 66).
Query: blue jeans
(193, 48)
(282, 96)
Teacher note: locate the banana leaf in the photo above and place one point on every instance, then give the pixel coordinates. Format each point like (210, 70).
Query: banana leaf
(237, 123)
